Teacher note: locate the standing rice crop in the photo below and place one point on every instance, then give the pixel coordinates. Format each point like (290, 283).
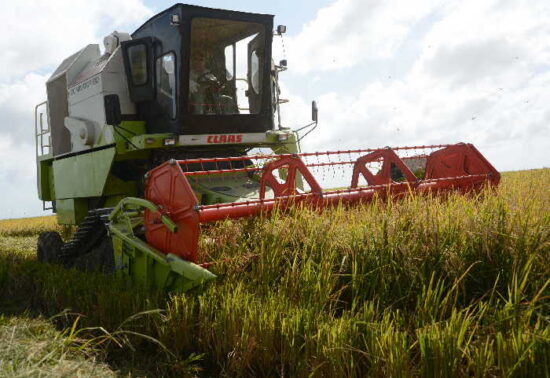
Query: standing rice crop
(424, 286)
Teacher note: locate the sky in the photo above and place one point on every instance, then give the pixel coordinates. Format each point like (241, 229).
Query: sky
(383, 72)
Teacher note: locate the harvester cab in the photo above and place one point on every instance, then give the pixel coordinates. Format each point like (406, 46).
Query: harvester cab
(140, 144)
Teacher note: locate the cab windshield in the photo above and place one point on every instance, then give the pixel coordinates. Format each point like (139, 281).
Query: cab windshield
(226, 67)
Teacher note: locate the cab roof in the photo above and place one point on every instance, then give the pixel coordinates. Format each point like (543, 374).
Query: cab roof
(198, 9)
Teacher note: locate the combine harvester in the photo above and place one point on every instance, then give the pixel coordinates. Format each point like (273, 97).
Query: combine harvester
(168, 129)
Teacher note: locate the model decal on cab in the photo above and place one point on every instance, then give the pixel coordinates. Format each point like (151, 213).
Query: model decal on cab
(224, 138)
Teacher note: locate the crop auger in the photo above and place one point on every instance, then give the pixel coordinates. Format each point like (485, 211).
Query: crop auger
(169, 128)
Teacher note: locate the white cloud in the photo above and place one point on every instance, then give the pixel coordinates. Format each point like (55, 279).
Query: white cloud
(513, 128)
(351, 31)
(36, 37)
(17, 179)
(480, 73)
(17, 102)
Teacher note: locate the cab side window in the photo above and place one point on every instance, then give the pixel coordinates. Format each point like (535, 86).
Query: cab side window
(138, 64)
(166, 83)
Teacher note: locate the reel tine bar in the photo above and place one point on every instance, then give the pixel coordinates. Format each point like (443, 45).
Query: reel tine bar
(449, 167)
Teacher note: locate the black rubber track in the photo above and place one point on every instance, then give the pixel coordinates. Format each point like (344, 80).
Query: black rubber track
(48, 247)
(90, 249)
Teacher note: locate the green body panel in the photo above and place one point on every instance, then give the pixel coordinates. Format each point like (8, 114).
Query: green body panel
(121, 133)
(112, 201)
(233, 187)
(72, 175)
(116, 186)
(149, 141)
(71, 211)
(44, 173)
(83, 175)
(143, 263)
(289, 146)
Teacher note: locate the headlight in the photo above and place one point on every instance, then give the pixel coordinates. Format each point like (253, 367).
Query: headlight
(169, 141)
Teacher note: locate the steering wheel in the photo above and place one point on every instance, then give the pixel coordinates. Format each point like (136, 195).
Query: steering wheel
(208, 79)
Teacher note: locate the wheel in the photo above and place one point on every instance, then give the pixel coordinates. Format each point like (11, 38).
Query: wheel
(48, 247)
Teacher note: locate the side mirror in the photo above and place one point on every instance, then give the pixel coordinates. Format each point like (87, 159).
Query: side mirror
(113, 114)
(314, 112)
(283, 63)
(281, 29)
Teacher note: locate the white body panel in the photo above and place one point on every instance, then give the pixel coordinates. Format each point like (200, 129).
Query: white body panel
(88, 77)
(86, 94)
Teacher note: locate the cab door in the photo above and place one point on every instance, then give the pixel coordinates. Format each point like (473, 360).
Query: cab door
(255, 73)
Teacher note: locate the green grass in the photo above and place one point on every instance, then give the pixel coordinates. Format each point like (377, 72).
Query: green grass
(423, 287)
(33, 348)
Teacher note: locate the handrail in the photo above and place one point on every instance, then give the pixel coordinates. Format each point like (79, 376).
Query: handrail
(39, 135)
(132, 202)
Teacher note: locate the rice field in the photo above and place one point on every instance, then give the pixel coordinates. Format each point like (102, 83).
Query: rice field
(28, 226)
(429, 287)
